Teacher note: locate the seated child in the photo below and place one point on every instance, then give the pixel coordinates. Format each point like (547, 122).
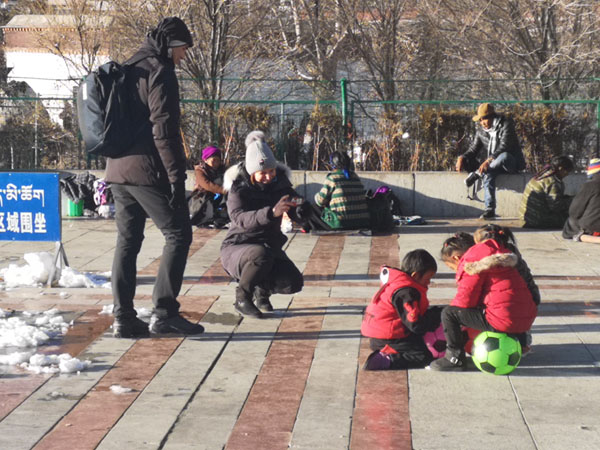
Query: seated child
(399, 315)
(491, 295)
(504, 236)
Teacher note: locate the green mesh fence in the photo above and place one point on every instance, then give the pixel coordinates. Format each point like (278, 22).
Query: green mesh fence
(408, 134)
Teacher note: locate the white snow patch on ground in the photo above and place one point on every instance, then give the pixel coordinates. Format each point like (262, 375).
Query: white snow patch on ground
(70, 277)
(118, 389)
(37, 270)
(24, 334)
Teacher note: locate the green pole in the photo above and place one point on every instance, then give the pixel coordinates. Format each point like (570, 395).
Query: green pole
(344, 94)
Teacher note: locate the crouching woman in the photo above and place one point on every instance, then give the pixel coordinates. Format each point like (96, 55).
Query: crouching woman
(260, 192)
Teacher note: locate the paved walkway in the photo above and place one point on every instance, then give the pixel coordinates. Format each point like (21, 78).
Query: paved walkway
(294, 379)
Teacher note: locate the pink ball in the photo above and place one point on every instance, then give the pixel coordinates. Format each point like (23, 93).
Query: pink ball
(436, 342)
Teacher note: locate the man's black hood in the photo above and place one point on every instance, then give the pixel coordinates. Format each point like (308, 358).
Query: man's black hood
(168, 30)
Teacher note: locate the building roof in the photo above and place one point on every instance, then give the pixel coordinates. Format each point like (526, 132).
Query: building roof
(48, 21)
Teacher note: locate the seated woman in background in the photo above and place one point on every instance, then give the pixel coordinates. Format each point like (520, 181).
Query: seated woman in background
(544, 203)
(583, 223)
(207, 203)
(341, 202)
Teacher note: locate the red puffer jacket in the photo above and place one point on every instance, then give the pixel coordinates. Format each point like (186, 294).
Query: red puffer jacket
(487, 278)
(381, 320)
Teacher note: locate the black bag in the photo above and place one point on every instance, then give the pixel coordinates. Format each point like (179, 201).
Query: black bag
(104, 110)
(380, 212)
(201, 208)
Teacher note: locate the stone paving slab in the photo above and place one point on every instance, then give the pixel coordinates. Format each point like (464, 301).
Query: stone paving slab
(294, 379)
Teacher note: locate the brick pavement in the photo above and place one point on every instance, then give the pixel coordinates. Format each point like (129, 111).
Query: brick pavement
(294, 378)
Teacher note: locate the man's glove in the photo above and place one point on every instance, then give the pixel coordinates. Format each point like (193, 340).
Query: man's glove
(177, 199)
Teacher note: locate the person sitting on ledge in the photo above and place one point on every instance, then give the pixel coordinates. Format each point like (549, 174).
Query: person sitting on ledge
(498, 138)
(583, 224)
(544, 203)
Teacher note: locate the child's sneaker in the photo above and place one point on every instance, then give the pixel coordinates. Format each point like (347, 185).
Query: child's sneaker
(377, 361)
(450, 364)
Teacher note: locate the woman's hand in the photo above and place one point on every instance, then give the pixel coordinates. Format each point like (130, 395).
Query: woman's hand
(283, 205)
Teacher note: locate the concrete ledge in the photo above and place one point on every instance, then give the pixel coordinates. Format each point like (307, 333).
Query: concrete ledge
(428, 194)
(438, 194)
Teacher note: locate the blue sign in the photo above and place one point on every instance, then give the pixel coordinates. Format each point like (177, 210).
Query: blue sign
(29, 207)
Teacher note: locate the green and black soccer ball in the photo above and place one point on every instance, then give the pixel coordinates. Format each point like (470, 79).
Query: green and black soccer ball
(496, 353)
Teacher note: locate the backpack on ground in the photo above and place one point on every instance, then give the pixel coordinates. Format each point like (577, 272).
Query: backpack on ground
(380, 209)
(104, 110)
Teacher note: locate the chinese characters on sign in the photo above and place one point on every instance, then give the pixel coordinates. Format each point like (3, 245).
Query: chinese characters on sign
(29, 206)
(23, 222)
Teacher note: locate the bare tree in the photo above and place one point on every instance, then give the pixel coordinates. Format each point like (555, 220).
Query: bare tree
(380, 37)
(311, 38)
(551, 41)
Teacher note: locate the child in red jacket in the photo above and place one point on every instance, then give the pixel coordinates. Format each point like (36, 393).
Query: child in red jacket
(399, 315)
(491, 296)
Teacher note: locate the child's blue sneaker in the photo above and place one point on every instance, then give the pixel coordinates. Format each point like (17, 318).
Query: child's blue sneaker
(377, 361)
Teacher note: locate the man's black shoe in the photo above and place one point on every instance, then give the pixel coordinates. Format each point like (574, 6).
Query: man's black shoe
(247, 308)
(130, 328)
(472, 178)
(488, 214)
(176, 324)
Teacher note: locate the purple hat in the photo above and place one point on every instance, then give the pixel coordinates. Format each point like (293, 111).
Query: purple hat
(210, 151)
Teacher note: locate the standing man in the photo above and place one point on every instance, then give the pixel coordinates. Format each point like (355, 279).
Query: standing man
(148, 180)
(497, 136)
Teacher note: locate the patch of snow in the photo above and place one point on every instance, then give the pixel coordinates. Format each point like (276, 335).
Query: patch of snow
(37, 270)
(118, 389)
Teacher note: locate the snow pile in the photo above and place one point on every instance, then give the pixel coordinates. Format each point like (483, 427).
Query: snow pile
(37, 271)
(70, 277)
(118, 389)
(15, 332)
(15, 358)
(34, 273)
(63, 363)
(29, 331)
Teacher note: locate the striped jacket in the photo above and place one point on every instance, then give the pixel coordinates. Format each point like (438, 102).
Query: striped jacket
(345, 197)
(544, 204)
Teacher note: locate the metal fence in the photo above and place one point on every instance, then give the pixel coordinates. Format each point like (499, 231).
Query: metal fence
(408, 134)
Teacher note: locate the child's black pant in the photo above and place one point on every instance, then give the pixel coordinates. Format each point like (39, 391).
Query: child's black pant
(454, 317)
(412, 353)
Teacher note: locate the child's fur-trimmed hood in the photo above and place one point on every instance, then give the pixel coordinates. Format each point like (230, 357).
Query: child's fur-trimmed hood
(496, 260)
(236, 171)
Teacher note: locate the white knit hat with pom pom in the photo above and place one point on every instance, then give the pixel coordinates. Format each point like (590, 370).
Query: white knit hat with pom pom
(258, 154)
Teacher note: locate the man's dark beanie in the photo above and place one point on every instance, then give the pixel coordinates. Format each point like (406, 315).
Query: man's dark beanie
(172, 32)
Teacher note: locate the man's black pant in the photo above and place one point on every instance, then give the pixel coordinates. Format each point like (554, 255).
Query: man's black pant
(133, 204)
(260, 265)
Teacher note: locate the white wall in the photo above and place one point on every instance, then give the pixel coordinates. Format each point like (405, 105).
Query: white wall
(47, 75)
